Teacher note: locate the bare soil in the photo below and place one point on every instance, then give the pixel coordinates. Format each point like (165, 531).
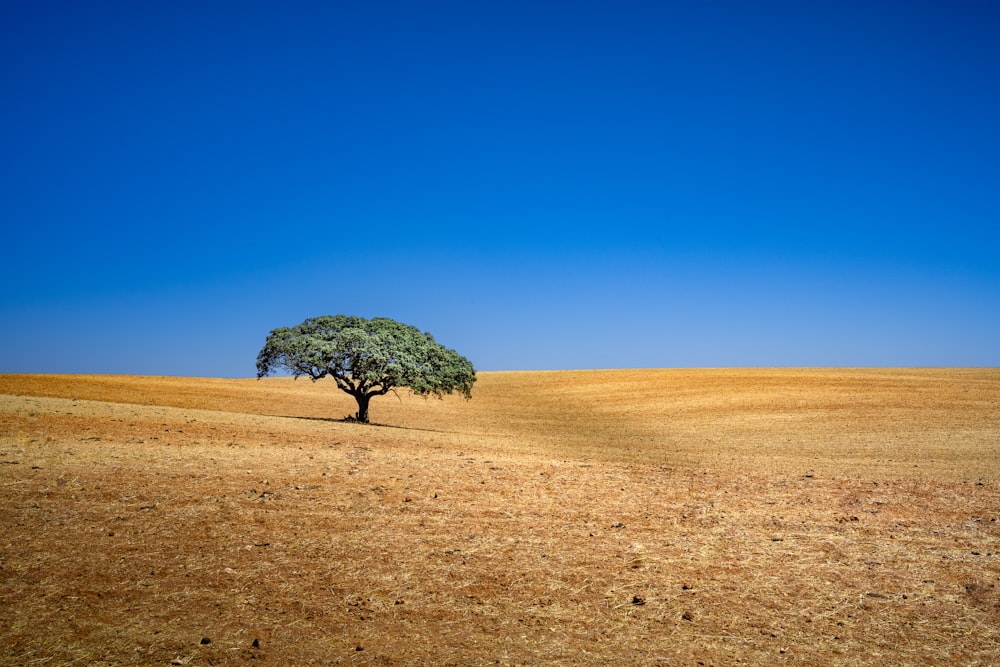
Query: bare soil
(658, 517)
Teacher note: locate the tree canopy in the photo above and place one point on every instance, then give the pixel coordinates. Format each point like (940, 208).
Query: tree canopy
(366, 358)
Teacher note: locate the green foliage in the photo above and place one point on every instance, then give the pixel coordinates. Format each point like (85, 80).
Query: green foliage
(367, 358)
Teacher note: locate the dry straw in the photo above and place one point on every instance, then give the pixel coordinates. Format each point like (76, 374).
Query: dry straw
(646, 517)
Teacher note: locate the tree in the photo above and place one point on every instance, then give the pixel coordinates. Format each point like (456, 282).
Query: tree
(366, 358)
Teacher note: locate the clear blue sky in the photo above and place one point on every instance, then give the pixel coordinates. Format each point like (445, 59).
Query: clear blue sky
(538, 184)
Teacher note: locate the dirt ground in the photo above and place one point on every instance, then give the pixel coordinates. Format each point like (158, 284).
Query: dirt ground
(655, 517)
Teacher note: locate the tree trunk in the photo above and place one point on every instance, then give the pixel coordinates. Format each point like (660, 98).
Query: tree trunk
(362, 400)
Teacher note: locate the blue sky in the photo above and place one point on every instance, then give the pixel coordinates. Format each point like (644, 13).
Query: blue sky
(539, 185)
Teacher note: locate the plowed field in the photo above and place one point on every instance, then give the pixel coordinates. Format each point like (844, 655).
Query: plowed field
(674, 517)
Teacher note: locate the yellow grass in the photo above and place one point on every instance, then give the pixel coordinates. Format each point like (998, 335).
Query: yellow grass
(776, 516)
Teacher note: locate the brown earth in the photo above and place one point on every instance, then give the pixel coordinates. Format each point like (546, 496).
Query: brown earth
(674, 517)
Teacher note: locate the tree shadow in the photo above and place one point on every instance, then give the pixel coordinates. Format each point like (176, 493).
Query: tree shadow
(355, 422)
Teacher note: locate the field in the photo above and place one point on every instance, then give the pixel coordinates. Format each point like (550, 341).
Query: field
(655, 517)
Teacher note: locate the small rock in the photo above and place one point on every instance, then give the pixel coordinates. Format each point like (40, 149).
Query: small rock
(687, 616)
(256, 643)
(638, 600)
(205, 640)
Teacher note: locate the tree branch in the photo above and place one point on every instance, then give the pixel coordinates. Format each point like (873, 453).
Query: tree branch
(344, 383)
(384, 387)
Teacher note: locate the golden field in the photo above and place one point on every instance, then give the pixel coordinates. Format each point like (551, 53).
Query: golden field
(660, 517)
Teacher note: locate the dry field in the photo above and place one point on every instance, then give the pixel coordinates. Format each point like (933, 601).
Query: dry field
(674, 517)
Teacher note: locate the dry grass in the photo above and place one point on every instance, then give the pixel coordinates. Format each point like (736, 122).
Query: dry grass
(631, 517)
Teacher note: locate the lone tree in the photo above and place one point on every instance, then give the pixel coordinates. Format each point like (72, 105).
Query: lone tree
(366, 358)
